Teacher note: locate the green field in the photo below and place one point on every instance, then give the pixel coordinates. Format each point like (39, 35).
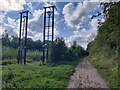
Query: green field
(36, 75)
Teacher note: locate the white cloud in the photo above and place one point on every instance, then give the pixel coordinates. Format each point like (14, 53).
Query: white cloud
(103, 20)
(11, 21)
(37, 14)
(56, 32)
(29, 4)
(8, 5)
(81, 14)
(84, 36)
(1, 31)
(13, 24)
(81, 38)
(36, 24)
(47, 4)
(8, 27)
(13, 29)
(94, 24)
(2, 16)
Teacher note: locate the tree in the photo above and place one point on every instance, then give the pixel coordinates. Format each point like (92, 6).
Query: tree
(14, 41)
(30, 44)
(58, 50)
(5, 39)
(77, 51)
(38, 45)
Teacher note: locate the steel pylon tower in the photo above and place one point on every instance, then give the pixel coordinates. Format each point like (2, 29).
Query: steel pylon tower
(48, 31)
(23, 37)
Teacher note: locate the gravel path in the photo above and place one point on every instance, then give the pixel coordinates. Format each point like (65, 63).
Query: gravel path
(86, 76)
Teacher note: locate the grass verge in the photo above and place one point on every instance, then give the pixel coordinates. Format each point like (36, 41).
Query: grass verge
(108, 68)
(35, 75)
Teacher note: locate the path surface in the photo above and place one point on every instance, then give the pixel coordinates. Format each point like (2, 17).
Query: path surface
(86, 76)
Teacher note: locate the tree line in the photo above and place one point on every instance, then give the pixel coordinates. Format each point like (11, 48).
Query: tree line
(13, 42)
(58, 49)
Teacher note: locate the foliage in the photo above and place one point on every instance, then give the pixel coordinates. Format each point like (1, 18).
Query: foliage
(59, 51)
(13, 42)
(34, 55)
(77, 51)
(34, 45)
(5, 39)
(9, 61)
(34, 75)
(104, 49)
(11, 53)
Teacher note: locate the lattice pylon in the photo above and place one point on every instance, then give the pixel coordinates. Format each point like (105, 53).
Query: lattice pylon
(23, 37)
(48, 27)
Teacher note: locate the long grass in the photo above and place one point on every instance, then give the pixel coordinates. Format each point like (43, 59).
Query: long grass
(36, 75)
(9, 55)
(108, 68)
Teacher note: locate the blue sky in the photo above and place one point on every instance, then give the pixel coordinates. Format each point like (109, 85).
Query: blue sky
(72, 19)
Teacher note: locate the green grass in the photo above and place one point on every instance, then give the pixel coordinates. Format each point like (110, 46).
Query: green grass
(34, 55)
(11, 53)
(36, 75)
(108, 68)
(8, 61)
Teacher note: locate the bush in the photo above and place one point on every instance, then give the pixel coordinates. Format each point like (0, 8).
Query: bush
(34, 55)
(9, 53)
(60, 52)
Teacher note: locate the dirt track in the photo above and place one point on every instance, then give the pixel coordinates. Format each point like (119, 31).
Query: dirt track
(86, 76)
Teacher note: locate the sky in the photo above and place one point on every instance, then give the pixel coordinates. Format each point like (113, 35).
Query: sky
(72, 18)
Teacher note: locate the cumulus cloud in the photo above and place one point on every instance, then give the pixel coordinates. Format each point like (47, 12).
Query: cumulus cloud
(30, 6)
(1, 31)
(37, 14)
(13, 24)
(79, 17)
(84, 36)
(2, 16)
(7, 27)
(13, 29)
(36, 24)
(56, 32)
(8, 5)
(79, 38)
(76, 16)
(12, 21)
